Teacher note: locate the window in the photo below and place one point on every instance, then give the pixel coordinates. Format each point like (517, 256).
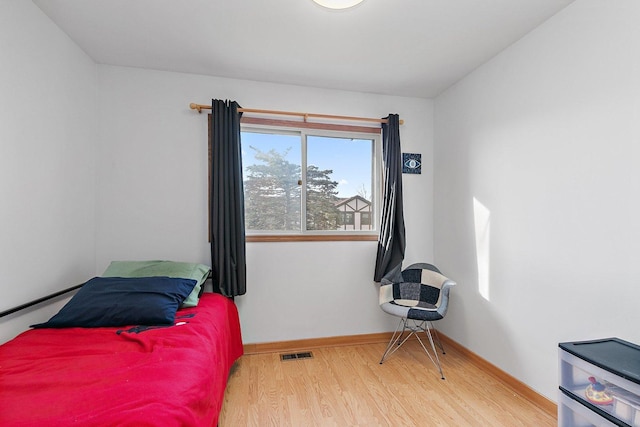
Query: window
(309, 182)
(346, 218)
(365, 218)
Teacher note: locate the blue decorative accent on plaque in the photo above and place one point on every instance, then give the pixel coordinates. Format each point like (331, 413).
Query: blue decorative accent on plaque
(411, 163)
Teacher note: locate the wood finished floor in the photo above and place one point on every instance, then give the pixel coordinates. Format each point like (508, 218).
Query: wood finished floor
(346, 386)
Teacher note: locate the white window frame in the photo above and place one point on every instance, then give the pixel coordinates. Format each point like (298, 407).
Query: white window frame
(376, 168)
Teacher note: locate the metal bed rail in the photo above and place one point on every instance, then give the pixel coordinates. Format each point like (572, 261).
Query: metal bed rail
(39, 300)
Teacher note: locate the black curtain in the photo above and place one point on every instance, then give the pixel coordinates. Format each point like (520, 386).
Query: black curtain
(226, 201)
(391, 243)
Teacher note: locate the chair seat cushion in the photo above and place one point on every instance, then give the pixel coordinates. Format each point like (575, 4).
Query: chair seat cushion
(414, 304)
(415, 311)
(420, 313)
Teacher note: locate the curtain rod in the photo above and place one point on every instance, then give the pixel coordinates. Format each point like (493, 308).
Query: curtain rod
(306, 116)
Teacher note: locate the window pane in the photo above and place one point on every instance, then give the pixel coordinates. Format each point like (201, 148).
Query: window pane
(338, 182)
(365, 218)
(271, 171)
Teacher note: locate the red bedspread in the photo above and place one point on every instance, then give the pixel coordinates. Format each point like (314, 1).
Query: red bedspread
(130, 376)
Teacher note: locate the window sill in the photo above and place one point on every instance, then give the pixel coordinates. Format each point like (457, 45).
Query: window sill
(313, 238)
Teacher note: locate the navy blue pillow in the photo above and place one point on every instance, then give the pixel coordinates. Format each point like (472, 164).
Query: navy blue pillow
(120, 301)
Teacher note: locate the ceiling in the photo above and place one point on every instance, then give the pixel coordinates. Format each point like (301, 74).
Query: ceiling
(413, 48)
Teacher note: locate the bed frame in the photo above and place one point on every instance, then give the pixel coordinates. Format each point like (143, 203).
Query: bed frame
(38, 301)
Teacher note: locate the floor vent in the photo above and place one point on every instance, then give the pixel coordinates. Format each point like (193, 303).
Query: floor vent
(296, 356)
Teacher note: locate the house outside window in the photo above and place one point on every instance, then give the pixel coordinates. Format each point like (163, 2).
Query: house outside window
(356, 213)
(309, 181)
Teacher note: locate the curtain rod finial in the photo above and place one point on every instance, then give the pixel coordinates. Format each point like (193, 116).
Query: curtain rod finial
(195, 106)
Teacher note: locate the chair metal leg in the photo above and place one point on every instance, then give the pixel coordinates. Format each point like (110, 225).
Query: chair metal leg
(394, 342)
(397, 340)
(437, 338)
(435, 353)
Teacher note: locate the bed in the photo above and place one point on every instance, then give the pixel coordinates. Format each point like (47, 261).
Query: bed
(161, 373)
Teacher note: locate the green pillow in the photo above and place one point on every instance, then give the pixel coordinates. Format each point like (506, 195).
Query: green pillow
(184, 270)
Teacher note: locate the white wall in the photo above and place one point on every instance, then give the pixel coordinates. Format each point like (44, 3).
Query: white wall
(546, 137)
(47, 139)
(152, 201)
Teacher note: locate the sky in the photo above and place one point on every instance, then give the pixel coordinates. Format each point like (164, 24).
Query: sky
(350, 159)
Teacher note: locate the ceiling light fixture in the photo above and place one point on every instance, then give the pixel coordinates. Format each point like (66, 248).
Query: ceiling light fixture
(338, 4)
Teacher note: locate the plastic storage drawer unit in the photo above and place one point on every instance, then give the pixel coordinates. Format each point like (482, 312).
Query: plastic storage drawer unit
(599, 383)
